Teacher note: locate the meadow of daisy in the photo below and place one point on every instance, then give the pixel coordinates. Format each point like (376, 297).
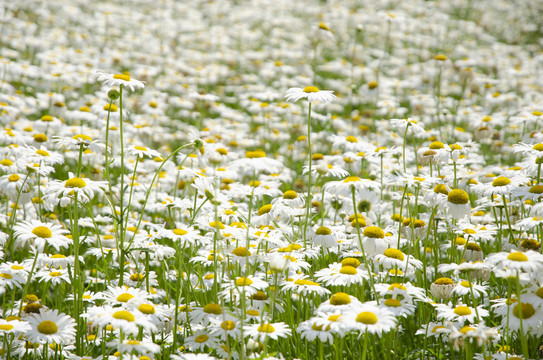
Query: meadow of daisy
(271, 180)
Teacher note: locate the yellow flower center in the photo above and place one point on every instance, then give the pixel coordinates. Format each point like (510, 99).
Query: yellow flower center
(147, 309)
(438, 327)
(255, 154)
(228, 325)
(55, 274)
(6, 327)
(316, 327)
(141, 148)
(517, 256)
(260, 296)
(264, 209)
(124, 297)
(458, 197)
(348, 270)
(374, 232)
(306, 282)
(266, 328)
(462, 310)
(47, 327)
(122, 77)
(536, 189)
(397, 286)
(350, 261)
(538, 147)
(444, 281)
(394, 254)
(137, 277)
(124, 315)
(524, 310)
(323, 231)
(466, 329)
(340, 298)
(473, 246)
(393, 302)
(351, 179)
(212, 308)
(82, 137)
(351, 139)
(243, 281)
(201, 338)
(111, 108)
(241, 251)
(501, 181)
(311, 89)
(75, 182)
(290, 195)
(179, 232)
(440, 57)
(6, 276)
(42, 232)
(367, 318)
(6, 162)
(14, 178)
(253, 313)
(436, 145)
(333, 317)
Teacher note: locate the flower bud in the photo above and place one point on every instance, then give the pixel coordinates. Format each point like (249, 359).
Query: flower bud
(113, 94)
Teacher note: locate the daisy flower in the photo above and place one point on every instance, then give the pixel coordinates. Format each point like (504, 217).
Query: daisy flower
(189, 356)
(224, 326)
(500, 185)
(395, 258)
(138, 346)
(142, 151)
(458, 204)
(311, 93)
(399, 306)
(305, 287)
(370, 318)
(124, 295)
(39, 234)
(243, 285)
(119, 80)
(461, 313)
(126, 320)
(54, 276)
(50, 326)
(338, 274)
(345, 186)
(531, 317)
(14, 326)
(465, 288)
(529, 261)
(410, 124)
(260, 332)
(311, 330)
(62, 192)
(341, 303)
(200, 340)
(433, 329)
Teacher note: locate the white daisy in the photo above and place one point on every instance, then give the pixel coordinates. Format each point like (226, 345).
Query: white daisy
(119, 80)
(311, 93)
(50, 326)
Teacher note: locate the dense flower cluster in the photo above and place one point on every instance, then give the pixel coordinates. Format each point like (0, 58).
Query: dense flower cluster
(177, 184)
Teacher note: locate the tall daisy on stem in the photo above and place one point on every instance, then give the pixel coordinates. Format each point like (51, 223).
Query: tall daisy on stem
(311, 93)
(120, 80)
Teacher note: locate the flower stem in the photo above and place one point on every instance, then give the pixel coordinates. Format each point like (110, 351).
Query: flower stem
(308, 200)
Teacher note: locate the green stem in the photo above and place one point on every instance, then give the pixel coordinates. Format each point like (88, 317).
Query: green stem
(308, 200)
